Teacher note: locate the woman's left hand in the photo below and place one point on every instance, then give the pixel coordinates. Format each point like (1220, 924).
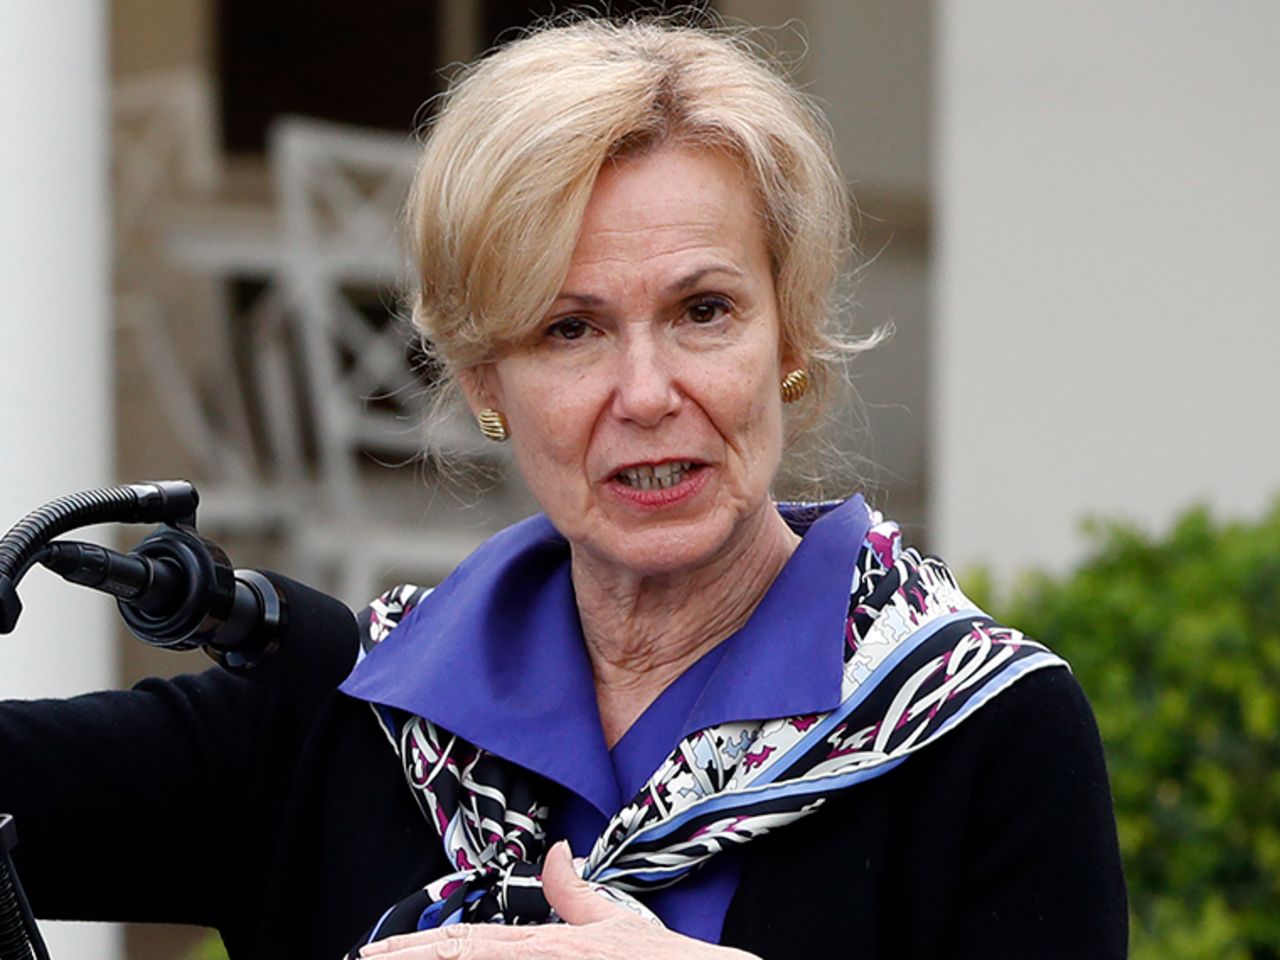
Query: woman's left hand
(593, 928)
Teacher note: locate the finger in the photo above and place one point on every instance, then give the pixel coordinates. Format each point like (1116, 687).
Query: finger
(570, 896)
(458, 933)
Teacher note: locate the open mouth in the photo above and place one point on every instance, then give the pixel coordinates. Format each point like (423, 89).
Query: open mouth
(661, 476)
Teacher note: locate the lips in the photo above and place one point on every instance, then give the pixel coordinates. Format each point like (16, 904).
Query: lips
(656, 476)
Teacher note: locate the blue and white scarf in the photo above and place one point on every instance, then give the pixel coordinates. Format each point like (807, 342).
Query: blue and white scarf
(919, 658)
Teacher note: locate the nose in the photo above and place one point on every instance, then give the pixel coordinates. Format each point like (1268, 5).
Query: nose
(646, 391)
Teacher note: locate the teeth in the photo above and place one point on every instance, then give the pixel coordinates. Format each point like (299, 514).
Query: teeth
(647, 477)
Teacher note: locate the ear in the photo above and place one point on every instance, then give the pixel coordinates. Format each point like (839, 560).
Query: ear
(479, 384)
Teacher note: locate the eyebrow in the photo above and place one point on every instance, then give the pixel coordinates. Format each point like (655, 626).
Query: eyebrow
(579, 300)
(679, 285)
(690, 280)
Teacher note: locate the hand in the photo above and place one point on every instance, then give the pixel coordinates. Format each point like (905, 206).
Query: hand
(593, 929)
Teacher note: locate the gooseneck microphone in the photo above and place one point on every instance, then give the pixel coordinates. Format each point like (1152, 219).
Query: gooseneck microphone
(161, 501)
(177, 590)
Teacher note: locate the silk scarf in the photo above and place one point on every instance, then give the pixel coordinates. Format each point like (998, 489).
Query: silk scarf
(919, 658)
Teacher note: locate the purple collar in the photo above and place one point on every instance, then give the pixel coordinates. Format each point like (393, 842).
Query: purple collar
(495, 653)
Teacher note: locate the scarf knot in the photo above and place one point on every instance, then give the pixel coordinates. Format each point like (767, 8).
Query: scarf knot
(507, 892)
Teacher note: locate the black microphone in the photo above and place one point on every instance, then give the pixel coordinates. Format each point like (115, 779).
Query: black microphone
(177, 590)
(152, 585)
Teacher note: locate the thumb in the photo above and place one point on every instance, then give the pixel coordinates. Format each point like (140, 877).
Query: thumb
(570, 896)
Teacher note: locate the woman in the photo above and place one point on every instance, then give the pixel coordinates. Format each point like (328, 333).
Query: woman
(765, 730)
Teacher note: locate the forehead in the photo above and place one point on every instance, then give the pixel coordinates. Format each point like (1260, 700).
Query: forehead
(669, 201)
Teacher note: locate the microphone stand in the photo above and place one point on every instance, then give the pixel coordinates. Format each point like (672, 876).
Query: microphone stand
(175, 590)
(19, 936)
(21, 547)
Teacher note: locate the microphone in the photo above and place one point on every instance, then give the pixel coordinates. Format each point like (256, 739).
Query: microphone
(177, 590)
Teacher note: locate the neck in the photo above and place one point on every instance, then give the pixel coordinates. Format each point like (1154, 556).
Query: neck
(642, 632)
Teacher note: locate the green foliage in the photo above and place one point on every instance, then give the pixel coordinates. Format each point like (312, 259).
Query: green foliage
(1177, 643)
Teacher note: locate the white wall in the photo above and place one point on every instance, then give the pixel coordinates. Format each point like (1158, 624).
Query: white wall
(1107, 304)
(55, 417)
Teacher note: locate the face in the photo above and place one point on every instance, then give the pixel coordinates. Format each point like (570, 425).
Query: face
(646, 416)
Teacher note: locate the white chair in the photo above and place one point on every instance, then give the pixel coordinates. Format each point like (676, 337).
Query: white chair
(341, 192)
(166, 163)
(282, 403)
(163, 149)
(329, 389)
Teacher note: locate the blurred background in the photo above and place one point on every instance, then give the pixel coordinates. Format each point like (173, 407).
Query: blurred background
(1068, 213)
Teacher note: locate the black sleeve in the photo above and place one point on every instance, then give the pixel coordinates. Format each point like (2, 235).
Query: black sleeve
(1041, 873)
(139, 805)
(997, 841)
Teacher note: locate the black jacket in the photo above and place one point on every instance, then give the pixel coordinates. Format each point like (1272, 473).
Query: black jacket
(288, 826)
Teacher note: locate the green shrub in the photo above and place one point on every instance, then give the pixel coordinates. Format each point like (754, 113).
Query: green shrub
(1177, 643)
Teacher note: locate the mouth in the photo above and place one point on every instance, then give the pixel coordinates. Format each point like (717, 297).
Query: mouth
(656, 476)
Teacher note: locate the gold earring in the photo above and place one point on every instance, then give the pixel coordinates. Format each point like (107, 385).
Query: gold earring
(794, 386)
(493, 424)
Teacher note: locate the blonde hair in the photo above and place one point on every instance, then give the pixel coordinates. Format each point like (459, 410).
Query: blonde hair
(521, 134)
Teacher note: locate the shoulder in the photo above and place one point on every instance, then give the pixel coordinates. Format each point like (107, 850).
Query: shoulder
(1036, 709)
(1041, 724)
(996, 840)
(1038, 744)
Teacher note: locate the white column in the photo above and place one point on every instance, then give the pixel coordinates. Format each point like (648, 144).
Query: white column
(1107, 298)
(55, 347)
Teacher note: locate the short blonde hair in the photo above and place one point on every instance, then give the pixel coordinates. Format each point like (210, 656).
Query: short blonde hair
(521, 135)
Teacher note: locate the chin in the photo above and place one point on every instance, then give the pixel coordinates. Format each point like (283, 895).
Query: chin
(665, 549)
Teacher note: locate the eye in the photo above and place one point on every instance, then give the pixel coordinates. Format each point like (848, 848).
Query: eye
(706, 310)
(568, 328)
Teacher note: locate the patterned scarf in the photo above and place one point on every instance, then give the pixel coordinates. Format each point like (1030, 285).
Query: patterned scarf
(919, 657)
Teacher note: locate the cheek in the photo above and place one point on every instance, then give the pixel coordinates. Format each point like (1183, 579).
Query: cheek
(748, 412)
(550, 434)
(526, 397)
(766, 428)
